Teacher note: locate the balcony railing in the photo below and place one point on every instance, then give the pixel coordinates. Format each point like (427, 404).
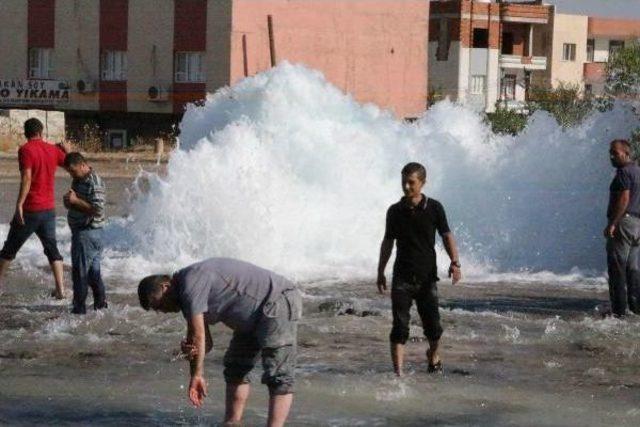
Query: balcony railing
(524, 62)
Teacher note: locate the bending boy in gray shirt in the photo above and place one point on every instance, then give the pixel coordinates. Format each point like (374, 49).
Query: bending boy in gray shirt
(260, 306)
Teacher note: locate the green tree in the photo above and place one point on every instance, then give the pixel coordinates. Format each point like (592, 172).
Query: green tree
(566, 103)
(506, 121)
(623, 72)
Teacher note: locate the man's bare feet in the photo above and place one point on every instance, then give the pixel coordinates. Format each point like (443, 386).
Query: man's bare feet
(57, 294)
(397, 357)
(432, 357)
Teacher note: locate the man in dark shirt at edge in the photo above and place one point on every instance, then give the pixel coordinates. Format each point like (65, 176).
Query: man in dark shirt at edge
(623, 230)
(412, 222)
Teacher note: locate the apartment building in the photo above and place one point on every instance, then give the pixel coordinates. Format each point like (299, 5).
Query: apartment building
(485, 52)
(129, 67)
(604, 37)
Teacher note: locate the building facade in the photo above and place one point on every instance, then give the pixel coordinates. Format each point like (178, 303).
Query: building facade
(486, 52)
(129, 67)
(569, 51)
(604, 37)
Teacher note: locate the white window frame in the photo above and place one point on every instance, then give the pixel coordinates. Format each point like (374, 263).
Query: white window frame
(189, 67)
(113, 66)
(477, 85)
(588, 89)
(116, 132)
(569, 52)
(591, 50)
(615, 45)
(509, 83)
(40, 63)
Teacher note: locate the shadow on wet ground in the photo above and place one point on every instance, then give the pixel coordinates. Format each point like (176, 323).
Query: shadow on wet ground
(546, 306)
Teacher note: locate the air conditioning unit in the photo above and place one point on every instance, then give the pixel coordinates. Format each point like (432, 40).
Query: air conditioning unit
(85, 86)
(158, 93)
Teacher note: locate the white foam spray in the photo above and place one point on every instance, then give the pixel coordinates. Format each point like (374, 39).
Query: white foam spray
(285, 170)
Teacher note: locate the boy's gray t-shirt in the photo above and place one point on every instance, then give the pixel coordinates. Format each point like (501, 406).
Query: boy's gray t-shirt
(227, 291)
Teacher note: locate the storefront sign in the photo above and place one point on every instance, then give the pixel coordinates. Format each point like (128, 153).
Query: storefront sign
(33, 92)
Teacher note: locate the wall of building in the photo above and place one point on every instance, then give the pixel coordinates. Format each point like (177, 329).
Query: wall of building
(76, 44)
(13, 36)
(149, 55)
(617, 29)
(569, 29)
(375, 50)
(443, 75)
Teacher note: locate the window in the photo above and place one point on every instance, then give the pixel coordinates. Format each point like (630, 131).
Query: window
(480, 38)
(509, 87)
(116, 138)
(507, 43)
(588, 90)
(591, 47)
(614, 46)
(569, 52)
(114, 65)
(443, 40)
(189, 67)
(40, 63)
(477, 85)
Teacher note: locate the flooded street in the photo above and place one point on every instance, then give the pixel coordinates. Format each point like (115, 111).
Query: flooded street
(520, 353)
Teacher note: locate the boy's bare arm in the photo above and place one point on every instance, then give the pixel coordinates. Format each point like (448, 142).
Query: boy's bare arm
(386, 248)
(25, 186)
(452, 250)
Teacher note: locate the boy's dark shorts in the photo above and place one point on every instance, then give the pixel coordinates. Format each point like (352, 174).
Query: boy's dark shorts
(43, 224)
(425, 294)
(274, 339)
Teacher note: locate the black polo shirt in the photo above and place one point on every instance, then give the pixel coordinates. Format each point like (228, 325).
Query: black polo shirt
(414, 229)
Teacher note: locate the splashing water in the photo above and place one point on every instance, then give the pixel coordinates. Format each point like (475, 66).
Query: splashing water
(286, 171)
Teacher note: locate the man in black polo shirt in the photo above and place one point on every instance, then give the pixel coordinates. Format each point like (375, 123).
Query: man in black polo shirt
(413, 222)
(623, 231)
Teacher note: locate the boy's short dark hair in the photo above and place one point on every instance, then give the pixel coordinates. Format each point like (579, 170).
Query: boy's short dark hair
(73, 159)
(151, 287)
(33, 127)
(417, 168)
(626, 144)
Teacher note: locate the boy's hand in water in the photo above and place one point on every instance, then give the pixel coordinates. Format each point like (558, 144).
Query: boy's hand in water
(197, 391)
(455, 274)
(382, 283)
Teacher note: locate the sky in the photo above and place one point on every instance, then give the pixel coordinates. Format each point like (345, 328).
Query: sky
(606, 8)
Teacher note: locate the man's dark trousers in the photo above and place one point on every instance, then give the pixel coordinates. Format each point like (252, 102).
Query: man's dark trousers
(43, 224)
(624, 269)
(86, 252)
(425, 294)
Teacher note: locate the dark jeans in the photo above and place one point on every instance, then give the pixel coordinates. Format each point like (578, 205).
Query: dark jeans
(43, 224)
(86, 251)
(403, 293)
(624, 273)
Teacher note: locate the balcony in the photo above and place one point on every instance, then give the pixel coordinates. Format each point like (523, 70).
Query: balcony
(533, 13)
(523, 62)
(595, 72)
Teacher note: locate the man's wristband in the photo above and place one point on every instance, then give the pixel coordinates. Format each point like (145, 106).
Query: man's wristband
(456, 264)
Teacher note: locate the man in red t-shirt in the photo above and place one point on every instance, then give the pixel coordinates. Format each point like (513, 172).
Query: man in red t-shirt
(35, 208)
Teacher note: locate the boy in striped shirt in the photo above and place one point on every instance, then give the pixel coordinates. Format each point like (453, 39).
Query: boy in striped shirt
(85, 202)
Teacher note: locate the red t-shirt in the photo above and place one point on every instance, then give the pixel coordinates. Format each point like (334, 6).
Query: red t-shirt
(43, 159)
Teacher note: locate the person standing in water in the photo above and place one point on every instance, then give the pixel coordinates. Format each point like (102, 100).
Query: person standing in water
(86, 217)
(623, 231)
(412, 223)
(35, 209)
(261, 307)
